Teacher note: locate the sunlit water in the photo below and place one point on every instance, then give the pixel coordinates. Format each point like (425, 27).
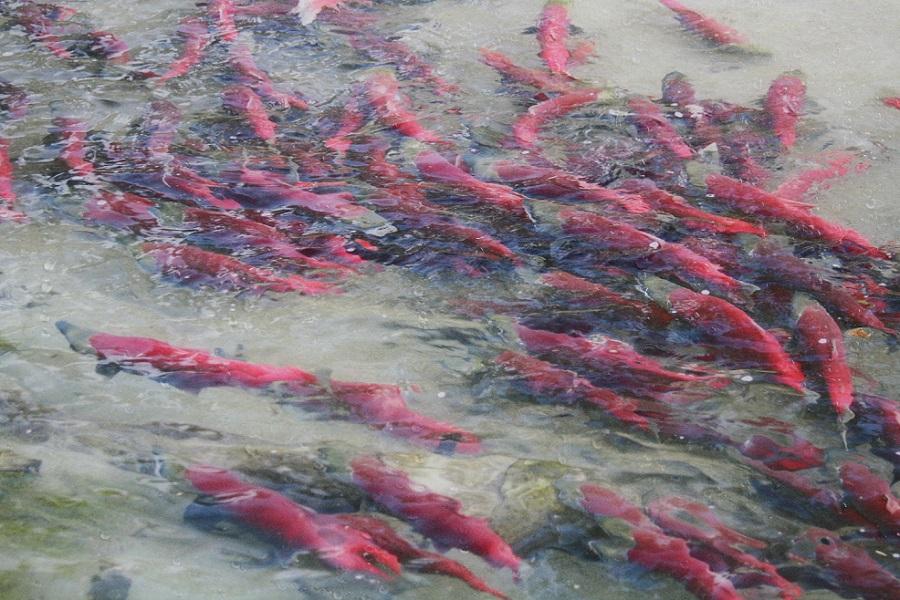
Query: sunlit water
(108, 495)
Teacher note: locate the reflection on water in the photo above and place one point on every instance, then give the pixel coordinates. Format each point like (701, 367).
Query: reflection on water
(295, 196)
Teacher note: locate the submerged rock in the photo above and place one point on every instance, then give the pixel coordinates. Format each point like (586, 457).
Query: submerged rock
(530, 515)
(109, 585)
(21, 418)
(10, 462)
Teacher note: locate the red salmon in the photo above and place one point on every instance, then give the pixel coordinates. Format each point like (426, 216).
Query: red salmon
(656, 551)
(690, 216)
(383, 407)
(784, 105)
(754, 202)
(8, 211)
(706, 27)
(195, 33)
(436, 168)
(852, 567)
(630, 243)
(651, 120)
(543, 378)
(527, 127)
(73, 134)
(293, 526)
(192, 266)
(221, 12)
(535, 78)
(733, 334)
(241, 59)
(393, 108)
(822, 348)
(413, 557)
(244, 101)
(871, 496)
(433, 515)
(552, 34)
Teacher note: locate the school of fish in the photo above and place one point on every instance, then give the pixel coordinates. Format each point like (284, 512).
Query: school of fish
(653, 290)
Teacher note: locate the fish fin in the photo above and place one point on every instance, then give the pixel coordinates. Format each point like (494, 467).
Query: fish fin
(107, 369)
(77, 337)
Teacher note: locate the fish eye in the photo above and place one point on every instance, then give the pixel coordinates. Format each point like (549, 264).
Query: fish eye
(825, 541)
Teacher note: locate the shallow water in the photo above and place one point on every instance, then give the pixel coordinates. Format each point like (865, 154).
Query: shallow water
(109, 495)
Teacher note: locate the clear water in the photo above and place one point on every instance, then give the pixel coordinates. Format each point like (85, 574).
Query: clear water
(107, 495)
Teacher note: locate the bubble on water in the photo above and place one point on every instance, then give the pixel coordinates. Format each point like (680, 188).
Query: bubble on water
(747, 378)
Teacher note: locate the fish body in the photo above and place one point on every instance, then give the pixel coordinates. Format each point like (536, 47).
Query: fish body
(73, 135)
(613, 362)
(244, 101)
(536, 78)
(755, 202)
(892, 102)
(293, 526)
(121, 210)
(352, 120)
(690, 216)
(383, 406)
(241, 60)
(884, 413)
(108, 46)
(590, 294)
(13, 100)
(379, 405)
(837, 164)
(552, 34)
(734, 334)
(187, 368)
(159, 128)
(275, 191)
(237, 233)
(557, 183)
(706, 27)
(656, 551)
(871, 496)
(544, 378)
(195, 35)
(414, 557)
(801, 454)
(526, 128)
(193, 266)
(784, 105)
(636, 245)
(179, 177)
(852, 567)
(677, 90)
(39, 22)
(822, 347)
(221, 12)
(7, 193)
(433, 515)
(393, 108)
(436, 168)
(651, 120)
(783, 268)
